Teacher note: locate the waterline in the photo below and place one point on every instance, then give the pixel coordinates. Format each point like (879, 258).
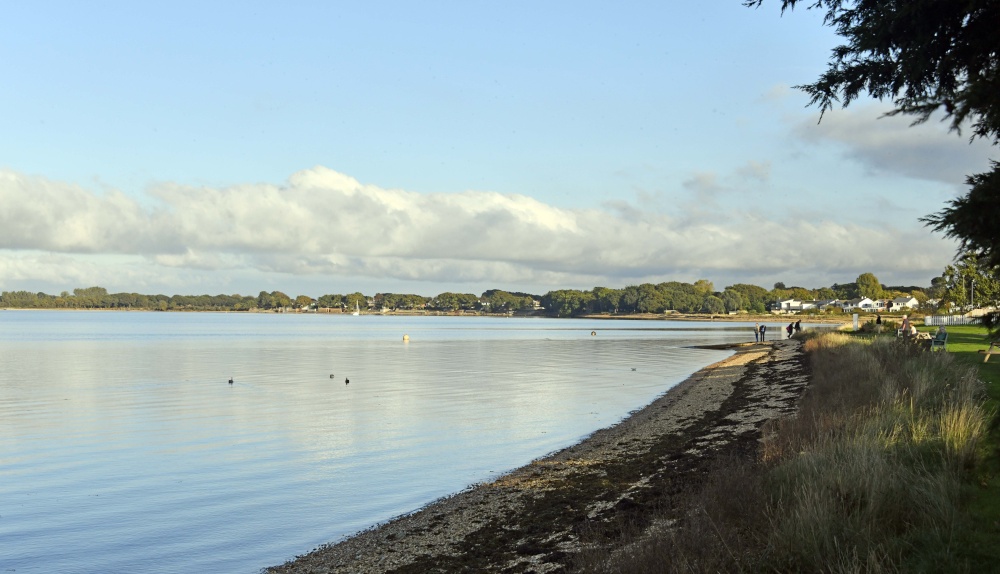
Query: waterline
(123, 448)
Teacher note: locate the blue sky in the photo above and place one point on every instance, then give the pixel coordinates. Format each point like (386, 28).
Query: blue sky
(422, 147)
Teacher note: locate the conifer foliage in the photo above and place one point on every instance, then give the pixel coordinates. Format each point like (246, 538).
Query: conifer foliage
(926, 57)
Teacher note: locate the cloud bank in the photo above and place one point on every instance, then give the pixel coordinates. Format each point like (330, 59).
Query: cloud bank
(892, 145)
(324, 223)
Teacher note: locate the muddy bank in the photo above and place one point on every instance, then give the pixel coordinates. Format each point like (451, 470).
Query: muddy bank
(536, 518)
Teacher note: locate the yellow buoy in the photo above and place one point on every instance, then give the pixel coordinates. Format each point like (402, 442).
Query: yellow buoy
(406, 337)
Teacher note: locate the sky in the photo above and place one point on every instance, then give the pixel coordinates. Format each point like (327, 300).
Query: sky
(333, 147)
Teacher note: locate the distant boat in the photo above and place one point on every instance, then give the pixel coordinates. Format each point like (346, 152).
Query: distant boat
(357, 309)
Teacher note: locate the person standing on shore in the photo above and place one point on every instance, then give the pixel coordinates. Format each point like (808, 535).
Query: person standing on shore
(789, 329)
(798, 326)
(756, 332)
(763, 328)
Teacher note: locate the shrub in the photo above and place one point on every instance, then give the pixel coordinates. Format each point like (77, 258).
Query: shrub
(874, 460)
(866, 477)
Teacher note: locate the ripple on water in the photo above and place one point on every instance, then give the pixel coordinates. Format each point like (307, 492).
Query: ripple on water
(123, 447)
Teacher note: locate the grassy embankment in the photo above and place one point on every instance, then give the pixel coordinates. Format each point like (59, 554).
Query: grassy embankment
(891, 465)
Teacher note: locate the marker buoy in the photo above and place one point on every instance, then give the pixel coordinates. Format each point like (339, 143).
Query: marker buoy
(406, 337)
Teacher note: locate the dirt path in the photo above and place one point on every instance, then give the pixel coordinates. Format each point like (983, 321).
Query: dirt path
(531, 520)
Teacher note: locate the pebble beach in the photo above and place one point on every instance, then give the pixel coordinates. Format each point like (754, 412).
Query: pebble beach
(536, 518)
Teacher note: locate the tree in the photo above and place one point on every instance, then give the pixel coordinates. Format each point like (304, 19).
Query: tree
(356, 300)
(925, 56)
(734, 300)
(975, 218)
(713, 304)
(651, 299)
(91, 296)
(607, 300)
(330, 301)
(629, 300)
(566, 302)
(869, 286)
(938, 287)
(757, 297)
(801, 293)
(779, 294)
(280, 299)
(845, 290)
(264, 300)
(826, 293)
(448, 301)
(968, 282)
(498, 301)
(704, 287)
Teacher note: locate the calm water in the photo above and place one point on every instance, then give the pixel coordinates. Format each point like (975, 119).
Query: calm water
(123, 448)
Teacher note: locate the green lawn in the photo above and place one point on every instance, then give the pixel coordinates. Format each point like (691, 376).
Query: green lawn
(979, 543)
(982, 546)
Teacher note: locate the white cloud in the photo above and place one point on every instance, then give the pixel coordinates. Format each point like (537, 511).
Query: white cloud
(36, 213)
(757, 170)
(326, 224)
(704, 184)
(777, 93)
(890, 145)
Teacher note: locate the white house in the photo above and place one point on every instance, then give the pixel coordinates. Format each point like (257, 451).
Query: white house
(903, 303)
(787, 306)
(794, 305)
(862, 303)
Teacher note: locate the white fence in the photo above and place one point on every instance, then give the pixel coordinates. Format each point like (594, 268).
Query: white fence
(950, 320)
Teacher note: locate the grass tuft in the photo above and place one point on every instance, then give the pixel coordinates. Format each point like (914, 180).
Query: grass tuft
(868, 476)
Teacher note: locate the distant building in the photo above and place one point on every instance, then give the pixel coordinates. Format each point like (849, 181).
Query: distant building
(787, 306)
(861, 304)
(899, 303)
(796, 306)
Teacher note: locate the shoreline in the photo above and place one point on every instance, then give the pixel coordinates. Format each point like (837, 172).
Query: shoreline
(538, 517)
(742, 318)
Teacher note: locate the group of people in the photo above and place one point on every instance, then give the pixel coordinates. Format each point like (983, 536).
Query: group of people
(908, 329)
(759, 330)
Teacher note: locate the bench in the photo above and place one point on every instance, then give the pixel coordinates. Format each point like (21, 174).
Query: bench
(993, 350)
(940, 340)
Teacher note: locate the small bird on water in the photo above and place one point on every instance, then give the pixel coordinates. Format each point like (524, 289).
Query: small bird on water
(230, 380)
(347, 381)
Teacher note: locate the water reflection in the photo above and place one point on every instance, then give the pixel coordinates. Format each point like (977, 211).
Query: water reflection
(124, 448)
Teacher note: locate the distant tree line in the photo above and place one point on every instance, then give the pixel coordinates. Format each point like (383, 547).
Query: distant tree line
(959, 284)
(99, 298)
(493, 300)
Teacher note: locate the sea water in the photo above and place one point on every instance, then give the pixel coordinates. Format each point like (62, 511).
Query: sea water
(123, 447)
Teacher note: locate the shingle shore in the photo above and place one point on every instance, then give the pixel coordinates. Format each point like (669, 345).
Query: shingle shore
(534, 518)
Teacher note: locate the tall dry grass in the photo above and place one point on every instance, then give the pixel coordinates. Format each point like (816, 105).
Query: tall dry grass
(867, 477)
